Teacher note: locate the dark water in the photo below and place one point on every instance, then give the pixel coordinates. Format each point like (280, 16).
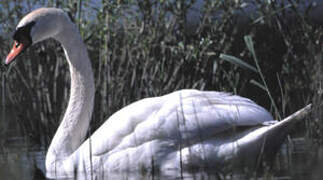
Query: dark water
(21, 159)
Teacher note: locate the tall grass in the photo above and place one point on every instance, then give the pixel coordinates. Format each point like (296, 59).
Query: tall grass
(146, 52)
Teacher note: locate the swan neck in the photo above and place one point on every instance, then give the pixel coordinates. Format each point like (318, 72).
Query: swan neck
(72, 130)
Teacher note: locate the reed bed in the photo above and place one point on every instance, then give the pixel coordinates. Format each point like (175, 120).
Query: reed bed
(153, 50)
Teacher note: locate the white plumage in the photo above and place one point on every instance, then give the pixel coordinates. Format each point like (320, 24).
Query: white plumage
(183, 129)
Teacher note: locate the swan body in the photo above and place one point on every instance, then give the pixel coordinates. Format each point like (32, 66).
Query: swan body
(183, 129)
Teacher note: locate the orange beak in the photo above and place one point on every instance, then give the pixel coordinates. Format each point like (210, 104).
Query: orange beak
(15, 51)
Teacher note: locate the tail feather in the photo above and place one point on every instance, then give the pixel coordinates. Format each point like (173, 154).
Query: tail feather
(265, 142)
(292, 119)
(276, 134)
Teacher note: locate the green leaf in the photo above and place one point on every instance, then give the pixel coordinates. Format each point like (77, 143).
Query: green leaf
(249, 43)
(258, 84)
(237, 61)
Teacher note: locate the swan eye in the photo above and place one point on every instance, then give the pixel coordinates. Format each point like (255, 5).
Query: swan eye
(17, 44)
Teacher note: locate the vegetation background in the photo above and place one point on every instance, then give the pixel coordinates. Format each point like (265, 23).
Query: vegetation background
(146, 48)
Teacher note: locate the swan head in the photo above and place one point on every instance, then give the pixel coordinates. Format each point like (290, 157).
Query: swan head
(36, 26)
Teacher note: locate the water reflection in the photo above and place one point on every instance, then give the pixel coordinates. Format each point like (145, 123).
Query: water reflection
(21, 160)
(139, 176)
(26, 163)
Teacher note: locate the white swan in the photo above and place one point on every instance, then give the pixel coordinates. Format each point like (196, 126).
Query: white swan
(187, 128)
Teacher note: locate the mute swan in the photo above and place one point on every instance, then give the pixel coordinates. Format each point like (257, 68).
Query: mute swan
(183, 129)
